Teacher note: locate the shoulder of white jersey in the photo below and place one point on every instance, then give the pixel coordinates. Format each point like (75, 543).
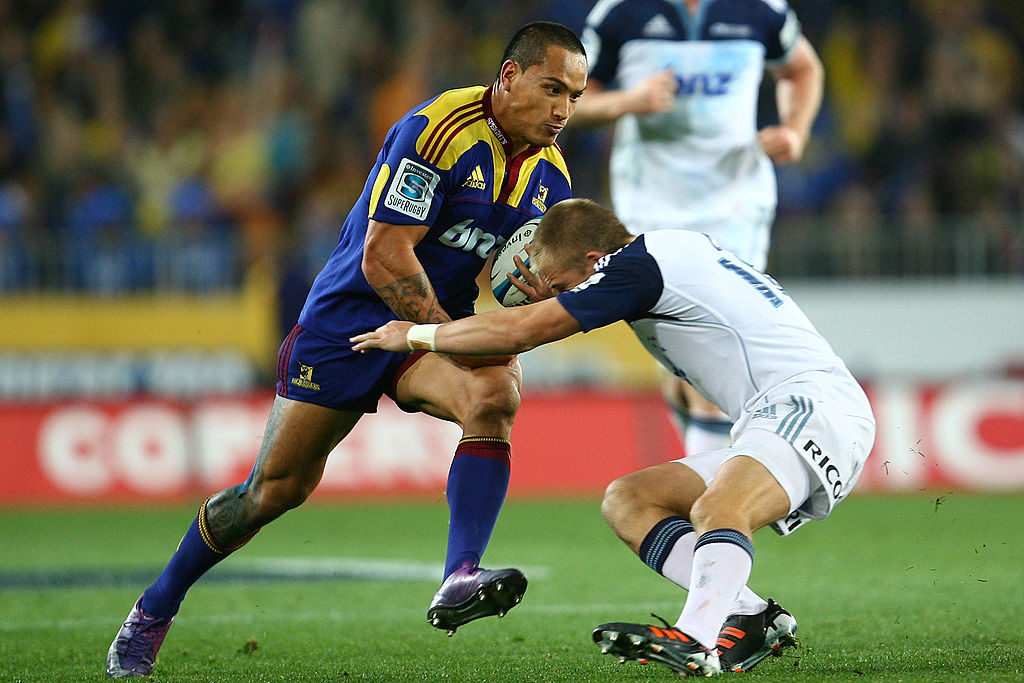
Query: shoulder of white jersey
(601, 10)
(778, 6)
(679, 245)
(455, 122)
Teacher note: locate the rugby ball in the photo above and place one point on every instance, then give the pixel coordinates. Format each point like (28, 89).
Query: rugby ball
(504, 262)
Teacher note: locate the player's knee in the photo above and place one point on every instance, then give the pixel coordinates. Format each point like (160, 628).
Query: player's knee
(492, 402)
(712, 511)
(620, 498)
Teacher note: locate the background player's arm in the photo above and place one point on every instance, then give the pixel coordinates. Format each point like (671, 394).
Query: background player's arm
(507, 331)
(798, 92)
(652, 94)
(393, 270)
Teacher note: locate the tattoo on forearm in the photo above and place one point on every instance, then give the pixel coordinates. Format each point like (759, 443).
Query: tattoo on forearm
(413, 298)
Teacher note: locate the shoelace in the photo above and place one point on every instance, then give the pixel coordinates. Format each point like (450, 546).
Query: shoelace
(146, 633)
(663, 620)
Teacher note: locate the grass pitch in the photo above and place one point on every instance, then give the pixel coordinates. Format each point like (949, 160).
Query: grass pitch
(917, 588)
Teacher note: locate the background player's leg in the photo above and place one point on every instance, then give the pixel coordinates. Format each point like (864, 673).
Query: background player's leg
(707, 427)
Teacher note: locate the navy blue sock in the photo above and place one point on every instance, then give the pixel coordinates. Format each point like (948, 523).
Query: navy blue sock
(196, 554)
(477, 484)
(660, 540)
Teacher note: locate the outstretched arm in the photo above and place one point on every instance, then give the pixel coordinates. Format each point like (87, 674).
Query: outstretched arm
(798, 92)
(653, 94)
(510, 330)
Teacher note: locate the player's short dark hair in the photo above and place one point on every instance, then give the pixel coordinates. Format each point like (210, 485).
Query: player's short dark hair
(529, 45)
(573, 227)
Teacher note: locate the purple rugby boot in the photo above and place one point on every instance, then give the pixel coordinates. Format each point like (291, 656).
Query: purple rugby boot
(133, 652)
(471, 593)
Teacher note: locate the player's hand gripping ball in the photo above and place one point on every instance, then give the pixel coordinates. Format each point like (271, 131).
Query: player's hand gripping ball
(504, 263)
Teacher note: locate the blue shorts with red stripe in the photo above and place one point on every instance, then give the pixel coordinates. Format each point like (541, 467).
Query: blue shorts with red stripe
(315, 370)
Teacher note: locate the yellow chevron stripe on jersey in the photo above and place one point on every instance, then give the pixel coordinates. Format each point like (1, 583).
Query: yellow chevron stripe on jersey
(378, 186)
(457, 122)
(447, 117)
(550, 154)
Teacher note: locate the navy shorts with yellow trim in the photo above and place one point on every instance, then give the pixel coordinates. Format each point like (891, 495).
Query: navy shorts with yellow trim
(315, 370)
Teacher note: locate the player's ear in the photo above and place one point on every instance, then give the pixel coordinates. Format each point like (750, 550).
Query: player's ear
(506, 74)
(593, 256)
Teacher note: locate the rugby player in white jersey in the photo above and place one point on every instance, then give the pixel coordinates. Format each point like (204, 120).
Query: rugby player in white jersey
(802, 424)
(681, 80)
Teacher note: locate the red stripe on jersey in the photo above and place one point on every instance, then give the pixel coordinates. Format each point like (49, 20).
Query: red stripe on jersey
(453, 113)
(451, 136)
(512, 174)
(440, 136)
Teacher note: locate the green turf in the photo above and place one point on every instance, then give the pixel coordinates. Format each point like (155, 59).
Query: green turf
(921, 588)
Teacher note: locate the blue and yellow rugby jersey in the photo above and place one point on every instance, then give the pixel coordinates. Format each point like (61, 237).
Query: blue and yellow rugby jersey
(445, 164)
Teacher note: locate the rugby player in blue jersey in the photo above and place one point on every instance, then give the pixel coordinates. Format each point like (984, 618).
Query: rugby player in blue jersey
(803, 425)
(455, 177)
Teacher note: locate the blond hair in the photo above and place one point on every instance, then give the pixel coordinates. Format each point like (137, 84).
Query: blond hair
(573, 227)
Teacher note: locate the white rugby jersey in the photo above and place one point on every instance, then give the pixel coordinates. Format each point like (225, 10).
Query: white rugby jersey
(710, 318)
(700, 161)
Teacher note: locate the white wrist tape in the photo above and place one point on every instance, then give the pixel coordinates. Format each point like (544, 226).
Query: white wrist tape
(421, 337)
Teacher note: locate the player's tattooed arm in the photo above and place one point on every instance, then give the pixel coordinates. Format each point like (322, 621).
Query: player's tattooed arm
(413, 298)
(393, 270)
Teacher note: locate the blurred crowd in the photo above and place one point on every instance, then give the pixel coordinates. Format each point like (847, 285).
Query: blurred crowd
(148, 144)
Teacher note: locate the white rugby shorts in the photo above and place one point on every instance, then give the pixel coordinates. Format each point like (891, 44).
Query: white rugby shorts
(813, 442)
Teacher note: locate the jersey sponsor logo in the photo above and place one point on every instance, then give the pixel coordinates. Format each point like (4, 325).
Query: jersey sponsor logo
(794, 521)
(658, 27)
(476, 179)
(412, 190)
(467, 238)
(712, 85)
(832, 474)
(541, 198)
(305, 378)
(723, 30)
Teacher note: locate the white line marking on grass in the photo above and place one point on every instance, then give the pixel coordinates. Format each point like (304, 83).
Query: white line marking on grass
(259, 615)
(242, 569)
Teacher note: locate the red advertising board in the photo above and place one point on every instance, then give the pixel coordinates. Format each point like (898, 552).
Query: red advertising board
(954, 435)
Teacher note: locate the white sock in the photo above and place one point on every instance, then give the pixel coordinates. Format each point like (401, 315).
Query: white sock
(721, 566)
(677, 567)
(706, 435)
(679, 563)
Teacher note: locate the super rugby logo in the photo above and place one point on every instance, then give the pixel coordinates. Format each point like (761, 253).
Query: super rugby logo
(412, 190)
(463, 236)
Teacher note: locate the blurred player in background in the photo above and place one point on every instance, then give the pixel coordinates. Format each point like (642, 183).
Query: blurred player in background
(456, 176)
(686, 153)
(803, 426)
